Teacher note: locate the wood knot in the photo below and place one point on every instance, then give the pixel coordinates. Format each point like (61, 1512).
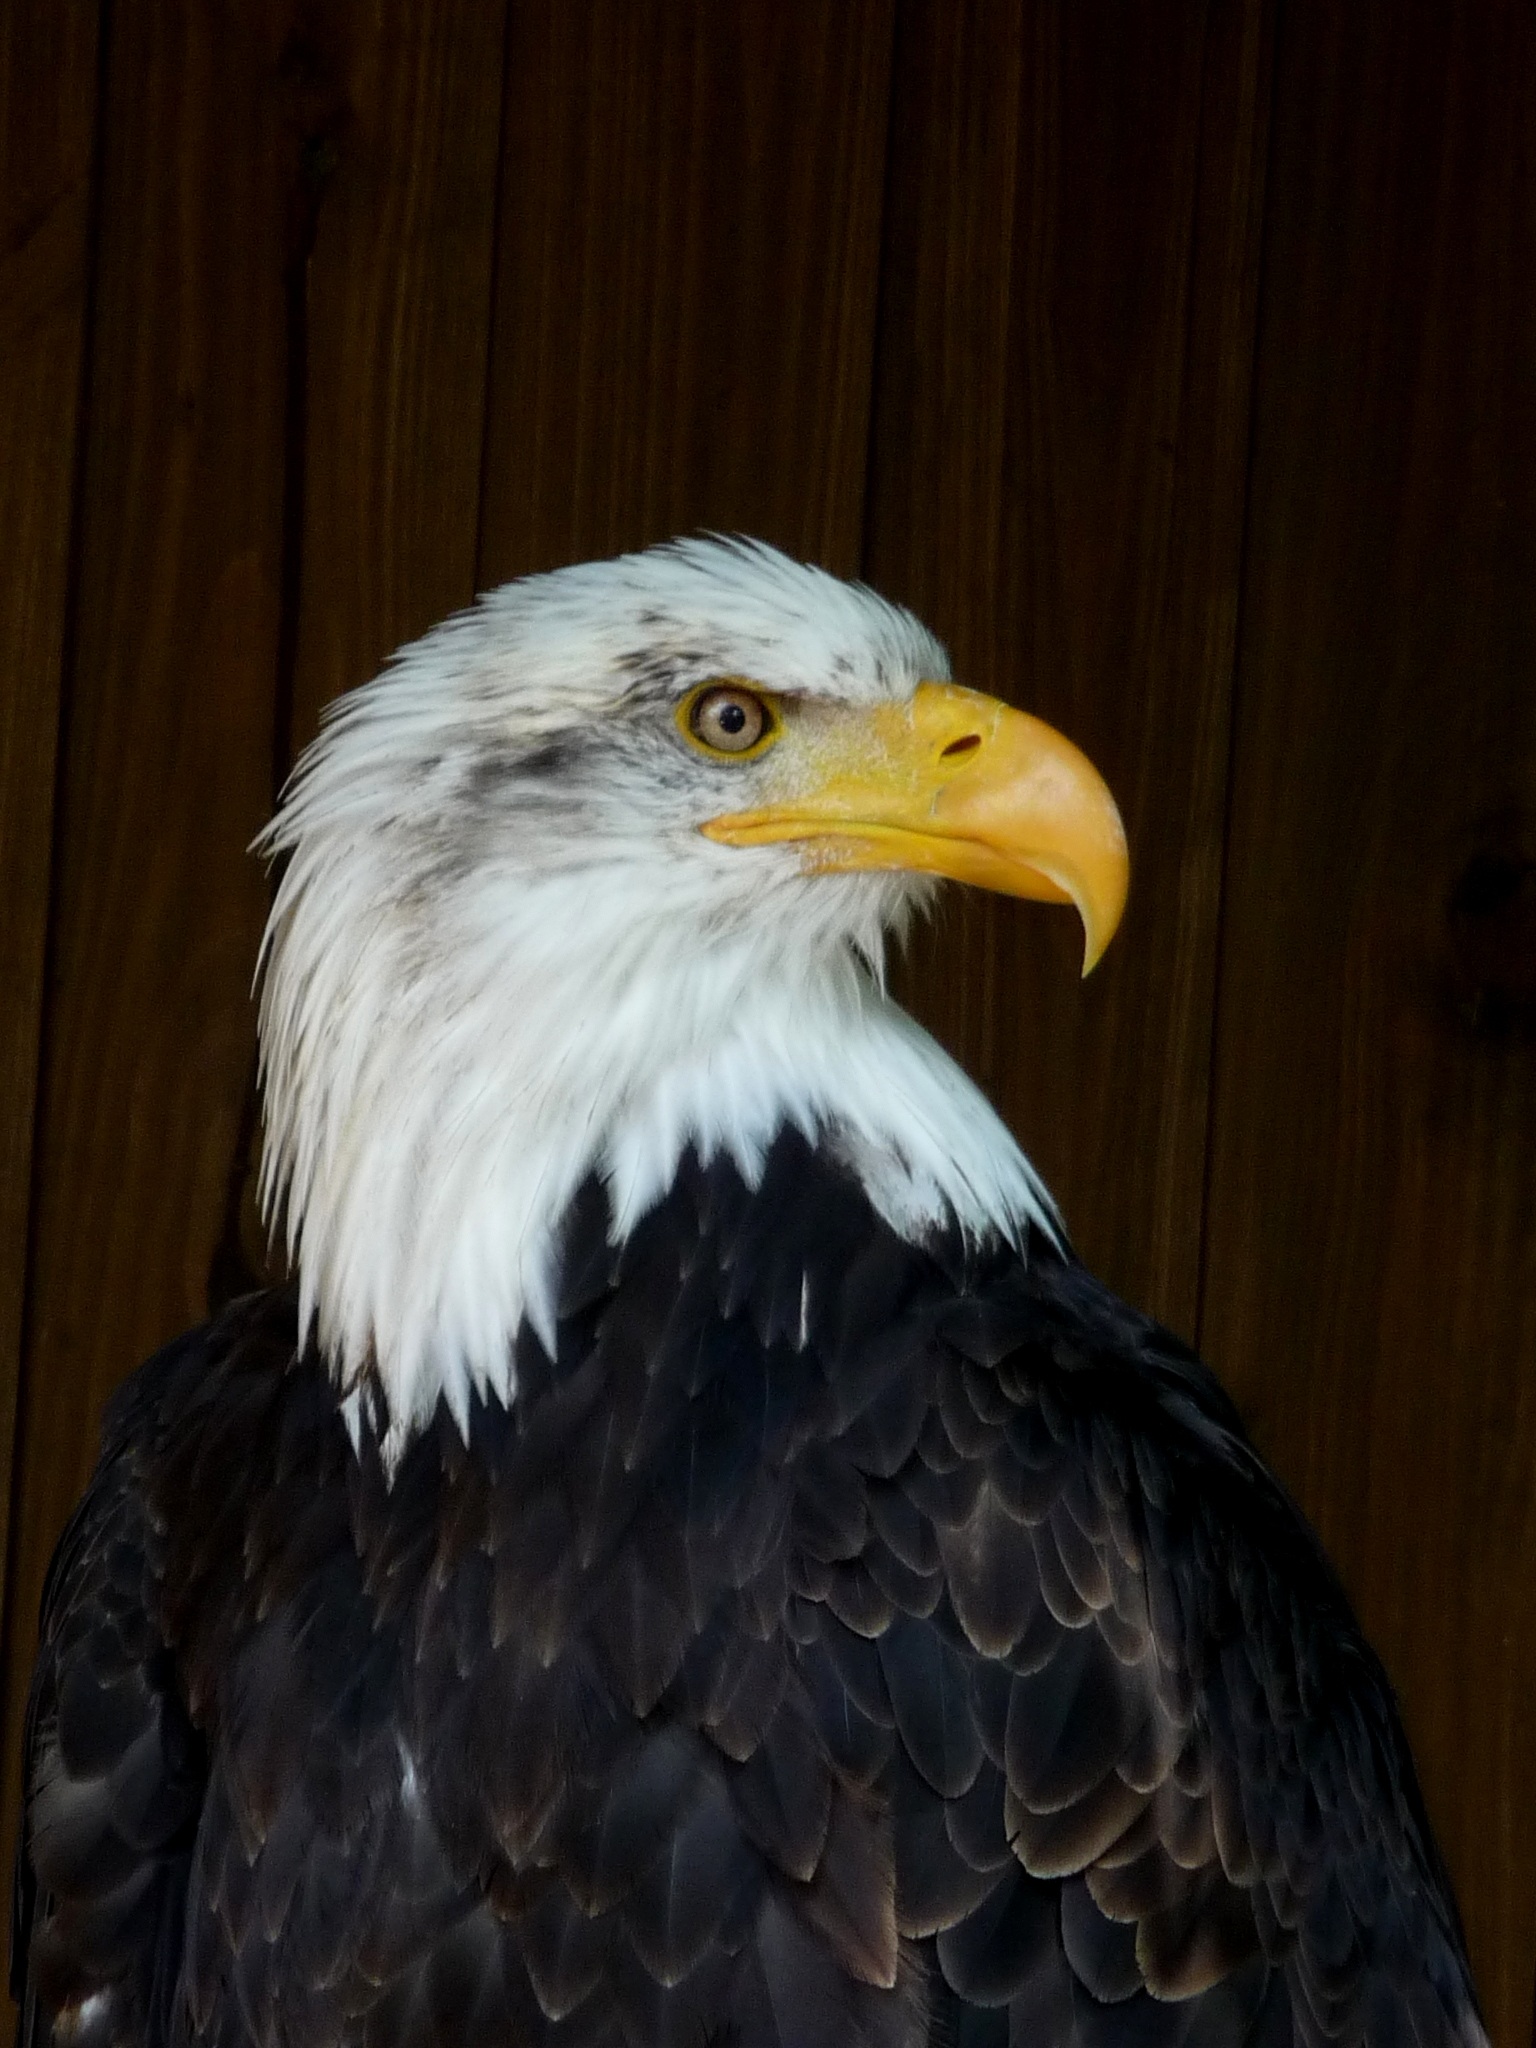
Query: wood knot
(1492, 918)
(317, 111)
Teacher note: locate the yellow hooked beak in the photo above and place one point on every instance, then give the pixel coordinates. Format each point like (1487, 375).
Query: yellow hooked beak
(949, 783)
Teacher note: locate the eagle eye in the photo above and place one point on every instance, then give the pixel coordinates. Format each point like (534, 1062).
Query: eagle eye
(728, 718)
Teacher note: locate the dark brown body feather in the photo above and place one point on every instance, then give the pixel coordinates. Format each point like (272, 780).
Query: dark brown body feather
(839, 1643)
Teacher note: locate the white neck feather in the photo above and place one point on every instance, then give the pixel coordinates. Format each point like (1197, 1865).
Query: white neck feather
(432, 1107)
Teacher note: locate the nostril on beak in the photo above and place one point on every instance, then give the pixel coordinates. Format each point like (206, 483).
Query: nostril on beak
(961, 746)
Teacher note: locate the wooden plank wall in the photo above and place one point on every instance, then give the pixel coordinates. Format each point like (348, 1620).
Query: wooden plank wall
(1176, 360)
(1370, 1243)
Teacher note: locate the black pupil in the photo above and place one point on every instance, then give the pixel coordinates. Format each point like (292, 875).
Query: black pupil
(733, 718)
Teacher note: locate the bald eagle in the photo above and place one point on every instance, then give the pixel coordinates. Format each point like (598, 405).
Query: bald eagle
(694, 1558)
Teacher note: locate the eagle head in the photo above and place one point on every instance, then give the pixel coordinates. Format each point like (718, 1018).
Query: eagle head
(604, 868)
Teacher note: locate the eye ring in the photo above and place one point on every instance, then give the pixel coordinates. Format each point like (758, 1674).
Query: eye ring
(728, 720)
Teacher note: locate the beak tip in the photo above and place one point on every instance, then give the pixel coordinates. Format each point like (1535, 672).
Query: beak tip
(1102, 920)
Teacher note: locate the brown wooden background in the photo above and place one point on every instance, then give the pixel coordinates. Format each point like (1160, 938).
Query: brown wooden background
(1175, 358)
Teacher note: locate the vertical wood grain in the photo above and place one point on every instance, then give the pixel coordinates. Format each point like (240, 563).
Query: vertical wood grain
(156, 908)
(687, 276)
(48, 61)
(282, 480)
(1059, 448)
(399, 311)
(1371, 1276)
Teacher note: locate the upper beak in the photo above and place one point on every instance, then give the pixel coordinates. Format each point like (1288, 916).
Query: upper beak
(951, 783)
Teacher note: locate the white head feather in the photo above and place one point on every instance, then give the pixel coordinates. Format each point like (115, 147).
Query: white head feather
(503, 957)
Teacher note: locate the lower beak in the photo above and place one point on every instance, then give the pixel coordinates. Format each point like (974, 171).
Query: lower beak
(951, 783)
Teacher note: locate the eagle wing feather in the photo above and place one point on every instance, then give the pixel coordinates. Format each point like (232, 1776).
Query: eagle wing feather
(838, 1642)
